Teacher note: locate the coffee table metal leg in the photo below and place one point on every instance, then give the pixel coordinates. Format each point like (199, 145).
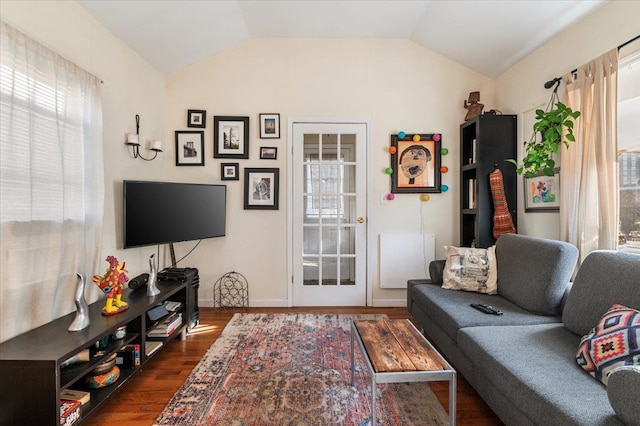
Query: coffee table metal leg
(452, 400)
(353, 357)
(373, 399)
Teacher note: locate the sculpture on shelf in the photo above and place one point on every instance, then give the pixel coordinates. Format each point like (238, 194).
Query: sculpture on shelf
(81, 320)
(152, 288)
(111, 283)
(474, 107)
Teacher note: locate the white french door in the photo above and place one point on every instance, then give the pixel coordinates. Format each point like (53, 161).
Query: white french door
(329, 171)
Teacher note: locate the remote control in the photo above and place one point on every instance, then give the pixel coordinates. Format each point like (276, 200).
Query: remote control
(487, 309)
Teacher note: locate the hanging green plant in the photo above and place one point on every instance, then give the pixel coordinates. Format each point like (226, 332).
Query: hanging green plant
(555, 127)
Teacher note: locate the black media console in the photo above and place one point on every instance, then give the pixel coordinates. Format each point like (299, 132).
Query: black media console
(188, 276)
(31, 364)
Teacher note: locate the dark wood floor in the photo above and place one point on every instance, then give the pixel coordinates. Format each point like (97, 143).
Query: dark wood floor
(145, 395)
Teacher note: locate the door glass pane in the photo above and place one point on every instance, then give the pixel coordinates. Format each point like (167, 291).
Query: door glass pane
(329, 240)
(329, 271)
(311, 209)
(311, 270)
(311, 243)
(330, 147)
(348, 178)
(347, 271)
(347, 240)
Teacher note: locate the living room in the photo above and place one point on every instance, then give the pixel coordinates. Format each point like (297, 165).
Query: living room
(343, 78)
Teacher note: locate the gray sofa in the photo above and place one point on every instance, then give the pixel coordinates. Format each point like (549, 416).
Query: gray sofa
(523, 362)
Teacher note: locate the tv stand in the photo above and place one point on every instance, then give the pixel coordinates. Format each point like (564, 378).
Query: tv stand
(30, 364)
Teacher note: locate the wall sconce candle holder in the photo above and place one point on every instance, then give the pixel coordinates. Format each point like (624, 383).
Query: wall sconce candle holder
(133, 140)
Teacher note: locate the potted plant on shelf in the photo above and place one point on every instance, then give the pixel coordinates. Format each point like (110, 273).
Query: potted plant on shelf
(555, 127)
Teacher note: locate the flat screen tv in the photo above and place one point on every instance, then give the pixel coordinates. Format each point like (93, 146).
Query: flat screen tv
(165, 212)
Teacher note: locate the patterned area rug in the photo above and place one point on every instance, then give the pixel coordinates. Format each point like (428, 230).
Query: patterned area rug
(292, 369)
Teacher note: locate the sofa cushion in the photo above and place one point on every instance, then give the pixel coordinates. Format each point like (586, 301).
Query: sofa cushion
(612, 276)
(612, 343)
(623, 391)
(450, 310)
(534, 272)
(534, 367)
(470, 269)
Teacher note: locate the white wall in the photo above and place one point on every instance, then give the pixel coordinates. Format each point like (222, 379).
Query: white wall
(521, 88)
(396, 83)
(131, 86)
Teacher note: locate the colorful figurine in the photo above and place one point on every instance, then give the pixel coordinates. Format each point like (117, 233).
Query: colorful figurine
(111, 283)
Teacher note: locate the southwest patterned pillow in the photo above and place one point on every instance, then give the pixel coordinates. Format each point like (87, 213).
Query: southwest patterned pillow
(613, 343)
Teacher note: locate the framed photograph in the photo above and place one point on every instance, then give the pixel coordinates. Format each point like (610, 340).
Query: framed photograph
(269, 126)
(415, 163)
(268, 152)
(261, 189)
(190, 148)
(230, 171)
(542, 193)
(230, 137)
(197, 118)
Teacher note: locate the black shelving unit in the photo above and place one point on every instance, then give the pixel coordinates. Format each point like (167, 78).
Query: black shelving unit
(30, 364)
(485, 143)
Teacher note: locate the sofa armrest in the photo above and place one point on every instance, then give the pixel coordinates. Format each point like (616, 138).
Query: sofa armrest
(436, 267)
(623, 390)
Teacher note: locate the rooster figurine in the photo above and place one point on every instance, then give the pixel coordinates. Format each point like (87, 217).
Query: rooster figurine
(111, 283)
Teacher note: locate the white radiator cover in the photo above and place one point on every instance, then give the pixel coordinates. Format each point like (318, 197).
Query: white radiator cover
(404, 257)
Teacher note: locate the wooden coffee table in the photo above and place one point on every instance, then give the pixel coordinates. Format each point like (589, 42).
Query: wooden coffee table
(396, 352)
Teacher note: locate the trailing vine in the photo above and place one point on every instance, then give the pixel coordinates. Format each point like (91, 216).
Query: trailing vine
(555, 127)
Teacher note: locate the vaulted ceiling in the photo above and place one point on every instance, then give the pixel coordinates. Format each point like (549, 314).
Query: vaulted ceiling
(486, 36)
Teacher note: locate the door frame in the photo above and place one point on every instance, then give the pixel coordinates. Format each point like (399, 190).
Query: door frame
(368, 198)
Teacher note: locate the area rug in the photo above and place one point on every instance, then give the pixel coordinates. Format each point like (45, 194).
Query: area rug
(292, 369)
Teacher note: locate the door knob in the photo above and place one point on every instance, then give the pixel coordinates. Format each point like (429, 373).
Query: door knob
(360, 219)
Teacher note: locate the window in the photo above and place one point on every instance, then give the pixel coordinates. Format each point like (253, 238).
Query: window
(629, 152)
(51, 182)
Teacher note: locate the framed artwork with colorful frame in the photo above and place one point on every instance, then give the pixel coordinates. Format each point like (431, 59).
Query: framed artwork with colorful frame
(230, 137)
(542, 193)
(415, 163)
(261, 189)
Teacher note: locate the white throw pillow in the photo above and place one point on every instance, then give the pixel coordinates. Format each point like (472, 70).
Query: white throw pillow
(470, 269)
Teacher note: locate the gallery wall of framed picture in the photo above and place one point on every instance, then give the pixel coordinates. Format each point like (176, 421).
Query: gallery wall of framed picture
(231, 140)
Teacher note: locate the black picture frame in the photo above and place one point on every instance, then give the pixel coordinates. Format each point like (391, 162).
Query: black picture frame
(415, 163)
(230, 137)
(269, 126)
(229, 171)
(197, 118)
(261, 188)
(189, 148)
(542, 193)
(268, 153)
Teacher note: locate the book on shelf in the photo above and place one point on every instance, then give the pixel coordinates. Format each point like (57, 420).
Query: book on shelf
(151, 346)
(471, 202)
(473, 151)
(69, 412)
(167, 326)
(128, 356)
(75, 395)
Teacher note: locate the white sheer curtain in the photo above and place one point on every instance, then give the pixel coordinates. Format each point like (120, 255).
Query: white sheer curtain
(51, 182)
(589, 168)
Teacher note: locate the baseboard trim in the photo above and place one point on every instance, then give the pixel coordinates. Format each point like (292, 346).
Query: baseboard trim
(389, 303)
(254, 303)
(283, 303)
